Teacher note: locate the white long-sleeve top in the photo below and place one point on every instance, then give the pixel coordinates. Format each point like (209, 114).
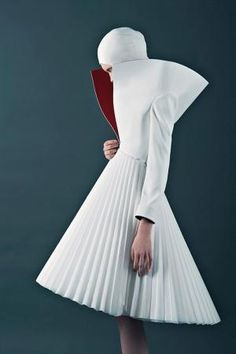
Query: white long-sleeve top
(149, 97)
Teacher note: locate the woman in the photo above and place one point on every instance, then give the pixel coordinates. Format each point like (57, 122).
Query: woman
(124, 253)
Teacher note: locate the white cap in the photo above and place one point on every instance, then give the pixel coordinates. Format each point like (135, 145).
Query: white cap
(122, 44)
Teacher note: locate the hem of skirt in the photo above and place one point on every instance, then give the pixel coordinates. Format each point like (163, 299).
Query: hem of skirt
(125, 313)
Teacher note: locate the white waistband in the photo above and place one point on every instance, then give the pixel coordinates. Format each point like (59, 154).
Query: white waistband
(133, 157)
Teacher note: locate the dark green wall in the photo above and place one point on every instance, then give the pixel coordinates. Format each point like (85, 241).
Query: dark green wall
(51, 139)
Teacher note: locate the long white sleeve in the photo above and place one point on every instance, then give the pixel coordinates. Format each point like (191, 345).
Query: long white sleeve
(161, 116)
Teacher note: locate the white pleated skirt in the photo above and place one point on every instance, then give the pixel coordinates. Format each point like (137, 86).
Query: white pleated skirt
(91, 264)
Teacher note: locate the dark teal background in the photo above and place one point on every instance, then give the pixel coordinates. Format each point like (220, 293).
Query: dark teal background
(51, 140)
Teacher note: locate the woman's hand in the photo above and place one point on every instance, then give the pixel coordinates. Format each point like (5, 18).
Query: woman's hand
(141, 249)
(110, 148)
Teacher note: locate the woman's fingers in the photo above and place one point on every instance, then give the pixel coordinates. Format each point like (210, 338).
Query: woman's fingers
(150, 261)
(110, 148)
(141, 262)
(136, 261)
(141, 268)
(110, 153)
(146, 263)
(110, 142)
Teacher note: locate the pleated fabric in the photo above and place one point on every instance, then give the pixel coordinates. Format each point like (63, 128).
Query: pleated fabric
(91, 263)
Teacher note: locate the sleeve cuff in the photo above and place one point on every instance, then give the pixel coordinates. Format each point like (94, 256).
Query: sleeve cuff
(149, 210)
(139, 217)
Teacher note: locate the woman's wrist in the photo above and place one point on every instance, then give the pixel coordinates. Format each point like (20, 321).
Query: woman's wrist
(145, 221)
(145, 226)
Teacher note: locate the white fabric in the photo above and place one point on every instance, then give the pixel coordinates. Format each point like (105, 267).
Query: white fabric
(91, 263)
(149, 98)
(162, 113)
(121, 44)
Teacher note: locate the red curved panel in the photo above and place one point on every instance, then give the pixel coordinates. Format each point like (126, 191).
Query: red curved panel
(103, 89)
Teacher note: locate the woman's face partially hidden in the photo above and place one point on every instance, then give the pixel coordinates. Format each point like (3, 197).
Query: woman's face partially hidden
(108, 69)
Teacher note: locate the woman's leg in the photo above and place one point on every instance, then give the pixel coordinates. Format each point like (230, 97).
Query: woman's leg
(132, 335)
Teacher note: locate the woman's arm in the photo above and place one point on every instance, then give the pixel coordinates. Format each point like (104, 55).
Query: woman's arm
(162, 113)
(159, 146)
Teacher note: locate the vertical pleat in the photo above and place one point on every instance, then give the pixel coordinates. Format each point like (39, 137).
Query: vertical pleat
(179, 267)
(91, 263)
(190, 288)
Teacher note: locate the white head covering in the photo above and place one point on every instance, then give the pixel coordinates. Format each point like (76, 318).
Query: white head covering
(121, 44)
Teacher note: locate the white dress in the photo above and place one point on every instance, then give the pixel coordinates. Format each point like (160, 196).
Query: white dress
(91, 264)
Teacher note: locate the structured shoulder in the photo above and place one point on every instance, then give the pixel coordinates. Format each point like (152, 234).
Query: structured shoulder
(178, 81)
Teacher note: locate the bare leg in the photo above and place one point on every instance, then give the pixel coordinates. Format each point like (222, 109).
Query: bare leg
(132, 335)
